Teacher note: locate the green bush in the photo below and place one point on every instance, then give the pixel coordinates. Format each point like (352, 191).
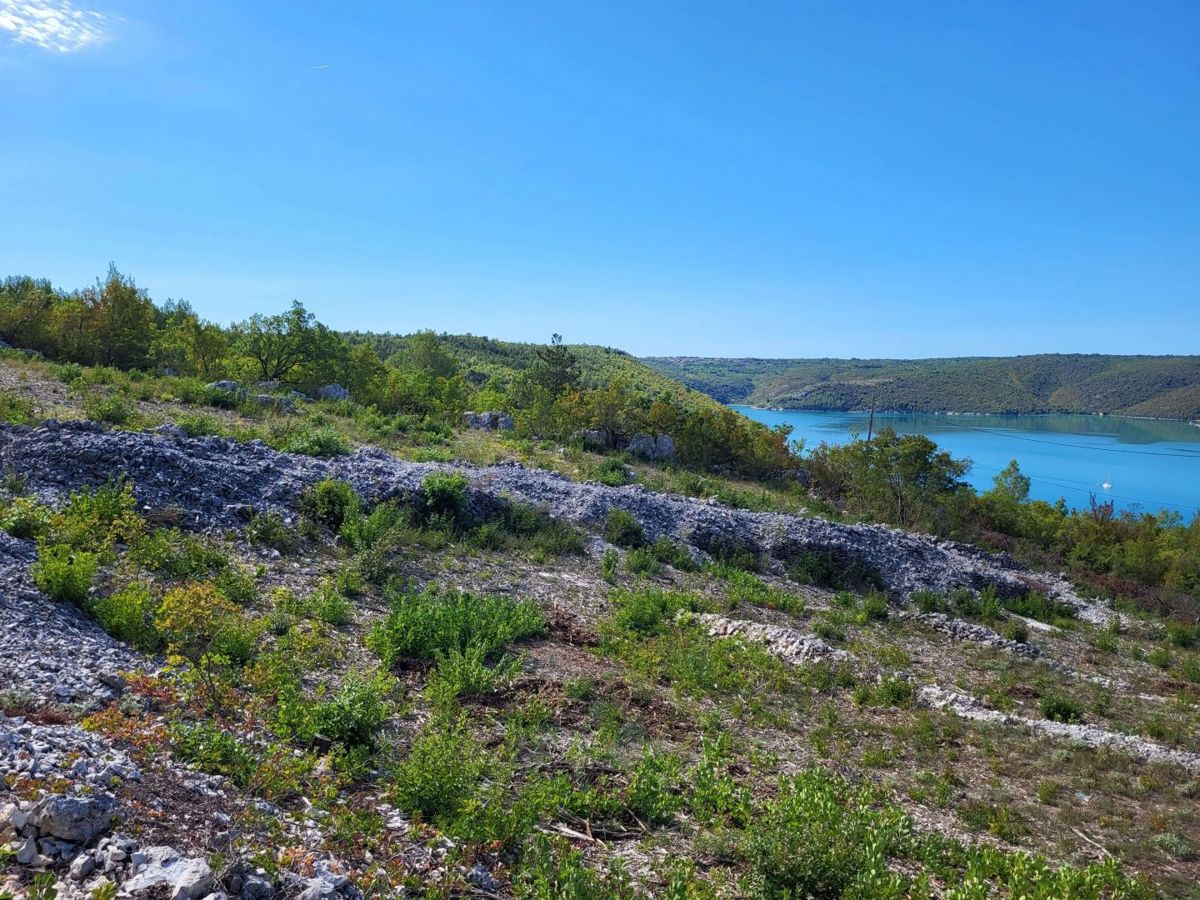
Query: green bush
(652, 795)
(213, 750)
(611, 471)
(96, 519)
(128, 615)
(25, 518)
(361, 532)
(647, 612)
(442, 771)
(525, 527)
(15, 409)
(833, 570)
(822, 837)
(177, 554)
(642, 561)
(267, 529)
(322, 440)
(671, 554)
(199, 424)
(355, 716)
(421, 626)
(64, 573)
(330, 606)
(608, 565)
(1038, 606)
(464, 673)
(443, 496)
(236, 583)
(874, 608)
(330, 502)
(1061, 708)
(1017, 631)
(622, 529)
(111, 408)
(929, 601)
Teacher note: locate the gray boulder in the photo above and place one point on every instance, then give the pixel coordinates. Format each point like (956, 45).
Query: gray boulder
(168, 874)
(282, 404)
(658, 447)
(76, 819)
(488, 421)
(226, 387)
(332, 392)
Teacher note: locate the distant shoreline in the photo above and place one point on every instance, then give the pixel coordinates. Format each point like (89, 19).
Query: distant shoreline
(922, 412)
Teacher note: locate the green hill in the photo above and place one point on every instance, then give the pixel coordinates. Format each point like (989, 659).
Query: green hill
(1159, 386)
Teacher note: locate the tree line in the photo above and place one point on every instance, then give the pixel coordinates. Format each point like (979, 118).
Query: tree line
(552, 390)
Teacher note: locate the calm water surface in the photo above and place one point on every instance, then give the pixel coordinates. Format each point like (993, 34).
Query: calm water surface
(1151, 465)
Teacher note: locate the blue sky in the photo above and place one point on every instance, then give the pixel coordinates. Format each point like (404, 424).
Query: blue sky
(768, 179)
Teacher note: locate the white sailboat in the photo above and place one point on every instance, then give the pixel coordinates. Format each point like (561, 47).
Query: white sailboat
(1107, 483)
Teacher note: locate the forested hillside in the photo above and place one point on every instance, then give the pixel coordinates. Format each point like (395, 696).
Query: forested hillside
(553, 390)
(1160, 386)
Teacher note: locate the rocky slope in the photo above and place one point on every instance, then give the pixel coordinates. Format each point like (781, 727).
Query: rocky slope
(216, 482)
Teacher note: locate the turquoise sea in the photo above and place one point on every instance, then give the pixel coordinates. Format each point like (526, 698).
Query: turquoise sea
(1151, 464)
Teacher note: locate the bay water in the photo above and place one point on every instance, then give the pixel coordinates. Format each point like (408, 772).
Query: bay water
(1151, 464)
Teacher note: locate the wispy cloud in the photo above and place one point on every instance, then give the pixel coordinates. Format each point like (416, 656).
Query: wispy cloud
(54, 25)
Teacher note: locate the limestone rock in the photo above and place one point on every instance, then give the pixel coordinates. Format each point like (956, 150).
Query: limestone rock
(168, 874)
(488, 421)
(658, 447)
(332, 392)
(76, 819)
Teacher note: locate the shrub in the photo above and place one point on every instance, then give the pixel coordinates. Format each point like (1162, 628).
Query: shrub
(95, 520)
(608, 565)
(622, 529)
(1038, 606)
(928, 601)
(1061, 708)
(1017, 631)
(645, 612)
(874, 608)
(25, 518)
(235, 583)
(330, 606)
(834, 570)
(177, 554)
(423, 625)
(330, 502)
(214, 750)
(896, 690)
(128, 615)
(322, 440)
(651, 795)
(821, 836)
(521, 526)
(199, 424)
(111, 408)
(444, 496)
(642, 561)
(441, 772)
(356, 714)
(207, 630)
(361, 532)
(267, 529)
(15, 409)
(63, 573)
(612, 472)
(1183, 636)
(465, 673)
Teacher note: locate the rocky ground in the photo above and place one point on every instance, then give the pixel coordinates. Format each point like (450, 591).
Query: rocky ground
(85, 809)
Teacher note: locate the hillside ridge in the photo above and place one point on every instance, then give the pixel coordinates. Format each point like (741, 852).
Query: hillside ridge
(1148, 386)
